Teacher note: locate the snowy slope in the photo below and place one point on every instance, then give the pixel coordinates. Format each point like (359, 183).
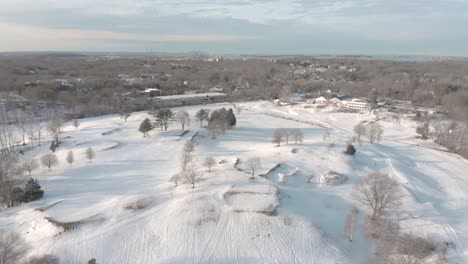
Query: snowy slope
(125, 210)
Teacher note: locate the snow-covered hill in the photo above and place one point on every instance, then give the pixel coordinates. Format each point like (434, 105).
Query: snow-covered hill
(123, 209)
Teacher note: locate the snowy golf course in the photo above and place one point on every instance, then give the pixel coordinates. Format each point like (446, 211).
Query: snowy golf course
(122, 207)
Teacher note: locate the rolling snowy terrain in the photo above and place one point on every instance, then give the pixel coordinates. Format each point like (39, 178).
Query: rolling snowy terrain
(122, 208)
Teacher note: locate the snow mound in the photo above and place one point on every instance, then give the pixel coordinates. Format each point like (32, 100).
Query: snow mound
(332, 178)
(258, 198)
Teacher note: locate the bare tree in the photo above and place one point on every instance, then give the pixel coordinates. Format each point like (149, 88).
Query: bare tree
(54, 127)
(13, 249)
(297, 135)
(351, 223)
(253, 163)
(49, 160)
(39, 131)
(30, 165)
(215, 127)
(125, 113)
(31, 128)
(209, 162)
(192, 175)
(183, 117)
(326, 135)
(23, 128)
(278, 136)
(360, 131)
(186, 158)
(76, 123)
(70, 157)
(7, 141)
(9, 174)
(374, 132)
(189, 146)
(90, 154)
(378, 192)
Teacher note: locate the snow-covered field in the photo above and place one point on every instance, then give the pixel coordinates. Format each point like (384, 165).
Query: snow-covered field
(123, 209)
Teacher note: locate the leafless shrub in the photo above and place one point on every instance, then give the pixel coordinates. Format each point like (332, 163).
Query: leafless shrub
(138, 204)
(176, 178)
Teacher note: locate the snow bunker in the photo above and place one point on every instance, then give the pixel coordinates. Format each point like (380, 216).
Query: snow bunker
(332, 178)
(257, 198)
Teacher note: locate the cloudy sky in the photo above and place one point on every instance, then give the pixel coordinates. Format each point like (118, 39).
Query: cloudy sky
(413, 27)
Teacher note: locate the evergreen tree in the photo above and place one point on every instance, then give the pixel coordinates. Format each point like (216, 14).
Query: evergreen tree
(32, 191)
(163, 117)
(203, 115)
(350, 150)
(145, 127)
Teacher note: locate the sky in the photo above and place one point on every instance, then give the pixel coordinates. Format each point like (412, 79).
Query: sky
(369, 27)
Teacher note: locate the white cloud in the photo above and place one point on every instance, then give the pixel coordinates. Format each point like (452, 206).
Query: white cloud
(382, 22)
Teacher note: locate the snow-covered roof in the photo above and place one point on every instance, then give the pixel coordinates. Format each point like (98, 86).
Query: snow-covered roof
(321, 98)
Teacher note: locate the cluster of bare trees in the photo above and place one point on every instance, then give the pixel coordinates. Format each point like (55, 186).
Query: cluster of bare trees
(372, 130)
(451, 134)
(15, 250)
(285, 134)
(11, 174)
(188, 170)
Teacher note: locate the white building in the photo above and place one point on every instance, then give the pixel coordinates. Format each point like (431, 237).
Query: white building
(320, 101)
(357, 104)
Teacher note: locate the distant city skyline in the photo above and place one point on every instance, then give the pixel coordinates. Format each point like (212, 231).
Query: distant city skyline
(368, 27)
